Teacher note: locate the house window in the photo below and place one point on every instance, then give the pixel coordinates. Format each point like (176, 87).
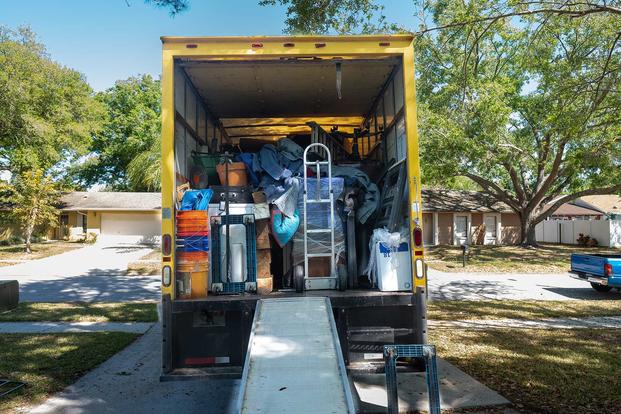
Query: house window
(64, 219)
(84, 224)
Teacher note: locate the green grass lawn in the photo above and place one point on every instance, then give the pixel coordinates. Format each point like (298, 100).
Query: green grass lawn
(551, 371)
(50, 362)
(81, 312)
(39, 250)
(548, 258)
(521, 309)
(149, 264)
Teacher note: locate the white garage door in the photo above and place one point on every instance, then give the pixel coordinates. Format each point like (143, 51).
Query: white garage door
(131, 227)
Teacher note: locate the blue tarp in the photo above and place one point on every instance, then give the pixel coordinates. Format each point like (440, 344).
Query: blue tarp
(196, 199)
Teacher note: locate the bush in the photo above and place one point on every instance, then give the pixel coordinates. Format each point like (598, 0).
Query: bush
(586, 241)
(12, 241)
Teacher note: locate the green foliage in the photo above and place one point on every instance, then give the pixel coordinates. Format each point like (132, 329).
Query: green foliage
(47, 114)
(35, 198)
(145, 170)
(337, 16)
(527, 106)
(131, 131)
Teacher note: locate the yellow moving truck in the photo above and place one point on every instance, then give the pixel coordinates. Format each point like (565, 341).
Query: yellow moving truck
(222, 92)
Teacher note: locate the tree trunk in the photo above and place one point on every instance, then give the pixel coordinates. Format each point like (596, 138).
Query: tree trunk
(28, 237)
(527, 230)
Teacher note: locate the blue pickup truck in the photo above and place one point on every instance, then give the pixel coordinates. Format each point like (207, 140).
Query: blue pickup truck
(603, 271)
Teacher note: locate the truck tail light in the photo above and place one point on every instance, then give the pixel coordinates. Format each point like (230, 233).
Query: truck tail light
(607, 269)
(166, 275)
(418, 237)
(166, 244)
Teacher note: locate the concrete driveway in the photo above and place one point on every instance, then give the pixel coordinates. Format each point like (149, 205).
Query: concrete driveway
(486, 286)
(93, 273)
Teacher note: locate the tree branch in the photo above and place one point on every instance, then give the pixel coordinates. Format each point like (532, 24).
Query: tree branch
(595, 8)
(515, 180)
(494, 190)
(570, 197)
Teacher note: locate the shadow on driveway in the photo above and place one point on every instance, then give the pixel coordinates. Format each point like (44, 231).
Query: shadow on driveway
(98, 285)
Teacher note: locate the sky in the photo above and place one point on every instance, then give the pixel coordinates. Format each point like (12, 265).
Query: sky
(108, 40)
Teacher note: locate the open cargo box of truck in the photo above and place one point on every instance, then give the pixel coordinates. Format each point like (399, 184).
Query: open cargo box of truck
(218, 91)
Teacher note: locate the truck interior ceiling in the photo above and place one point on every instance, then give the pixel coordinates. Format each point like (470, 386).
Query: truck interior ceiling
(254, 137)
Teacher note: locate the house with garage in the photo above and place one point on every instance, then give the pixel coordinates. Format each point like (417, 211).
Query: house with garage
(126, 217)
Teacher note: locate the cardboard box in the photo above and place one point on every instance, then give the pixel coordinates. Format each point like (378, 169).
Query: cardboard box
(319, 267)
(264, 261)
(265, 286)
(263, 234)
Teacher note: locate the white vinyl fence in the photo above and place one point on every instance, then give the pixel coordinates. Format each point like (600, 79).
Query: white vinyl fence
(606, 232)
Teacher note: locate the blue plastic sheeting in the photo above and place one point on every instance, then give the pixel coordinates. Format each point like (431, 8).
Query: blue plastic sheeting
(319, 218)
(196, 199)
(283, 227)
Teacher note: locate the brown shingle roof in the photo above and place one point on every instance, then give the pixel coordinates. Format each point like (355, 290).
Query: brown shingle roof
(610, 204)
(569, 209)
(440, 200)
(106, 200)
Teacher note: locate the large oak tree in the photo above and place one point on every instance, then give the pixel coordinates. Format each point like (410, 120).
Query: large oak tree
(522, 98)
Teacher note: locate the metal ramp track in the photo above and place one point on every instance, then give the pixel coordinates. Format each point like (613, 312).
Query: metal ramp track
(294, 362)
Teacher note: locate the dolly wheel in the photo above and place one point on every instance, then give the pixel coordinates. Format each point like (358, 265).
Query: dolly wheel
(601, 288)
(298, 278)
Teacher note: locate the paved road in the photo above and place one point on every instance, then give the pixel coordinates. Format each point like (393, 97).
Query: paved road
(92, 273)
(485, 286)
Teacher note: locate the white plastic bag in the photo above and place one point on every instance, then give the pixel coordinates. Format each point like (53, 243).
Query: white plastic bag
(391, 241)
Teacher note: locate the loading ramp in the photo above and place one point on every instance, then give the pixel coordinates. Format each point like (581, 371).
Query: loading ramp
(294, 361)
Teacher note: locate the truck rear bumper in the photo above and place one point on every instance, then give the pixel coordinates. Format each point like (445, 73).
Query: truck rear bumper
(589, 278)
(209, 337)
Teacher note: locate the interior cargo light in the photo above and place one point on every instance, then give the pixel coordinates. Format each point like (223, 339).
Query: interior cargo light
(608, 269)
(318, 45)
(384, 44)
(166, 275)
(288, 44)
(418, 236)
(191, 46)
(257, 45)
(419, 268)
(166, 244)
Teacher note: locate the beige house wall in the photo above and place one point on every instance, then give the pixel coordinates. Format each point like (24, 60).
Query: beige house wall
(477, 219)
(510, 228)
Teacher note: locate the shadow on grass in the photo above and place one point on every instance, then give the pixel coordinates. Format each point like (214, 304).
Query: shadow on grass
(48, 363)
(498, 309)
(550, 371)
(81, 312)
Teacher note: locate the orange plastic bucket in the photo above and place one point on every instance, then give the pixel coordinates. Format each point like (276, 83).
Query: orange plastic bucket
(191, 257)
(192, 222)
(192, 267)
